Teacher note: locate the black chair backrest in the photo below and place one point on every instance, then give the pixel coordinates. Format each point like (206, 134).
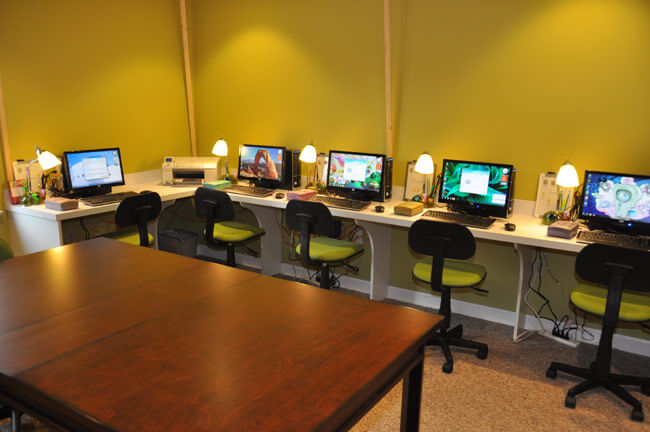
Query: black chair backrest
(138, 210)
(425, 236)
(601, 264)
(214, 206)
(441, 240)
(308, 217)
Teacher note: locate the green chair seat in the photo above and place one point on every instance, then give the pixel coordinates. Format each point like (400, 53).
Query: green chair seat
(235, 232)
(454, 273)
(129, 237)
(329, 249)
(590, 298)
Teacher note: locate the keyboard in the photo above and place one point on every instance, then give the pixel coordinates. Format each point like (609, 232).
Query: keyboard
(622, 240)
(461, 218)
(98, 200)
(345, 203)
(249, 190)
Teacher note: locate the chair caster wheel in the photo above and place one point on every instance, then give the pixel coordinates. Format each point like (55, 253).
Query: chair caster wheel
(637, 415)
(448, 367)
(645, 390)
(482, 353)
(570, 401)
(551, 373)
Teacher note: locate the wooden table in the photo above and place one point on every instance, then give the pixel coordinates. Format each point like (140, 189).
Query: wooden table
(101, 335)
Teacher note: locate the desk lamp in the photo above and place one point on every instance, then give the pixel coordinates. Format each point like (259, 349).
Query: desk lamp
(46, 160)
(308, 155)
(567, 180)
(424, 165)
(221, 149)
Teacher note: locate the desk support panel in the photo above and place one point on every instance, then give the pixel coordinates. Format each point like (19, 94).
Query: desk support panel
(525, 254)
(31, 234)
(271, 241)
(379, 236)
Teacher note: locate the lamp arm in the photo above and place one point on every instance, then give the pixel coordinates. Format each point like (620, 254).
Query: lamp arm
(29, 177)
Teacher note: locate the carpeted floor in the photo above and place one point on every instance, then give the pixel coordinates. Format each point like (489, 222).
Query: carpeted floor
(508, 391)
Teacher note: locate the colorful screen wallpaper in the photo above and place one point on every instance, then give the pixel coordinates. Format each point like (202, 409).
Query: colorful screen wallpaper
(261, 162)
(617, 197)
(475, 183)
(355, 171)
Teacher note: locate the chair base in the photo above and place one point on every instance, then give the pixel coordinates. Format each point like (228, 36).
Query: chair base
(448, 338)
(611, 382)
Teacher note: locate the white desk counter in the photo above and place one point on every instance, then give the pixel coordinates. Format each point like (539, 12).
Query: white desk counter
(36, 228)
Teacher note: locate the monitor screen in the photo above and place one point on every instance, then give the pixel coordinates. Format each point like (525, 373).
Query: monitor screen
(622, 198)
(261, 163)
(91, 168)
(359, 173)
(477, 185)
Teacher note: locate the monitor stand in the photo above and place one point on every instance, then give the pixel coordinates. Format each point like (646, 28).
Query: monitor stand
(264, 183)
(618, 227)
(359, 195)
(91, 191)
(475, 210)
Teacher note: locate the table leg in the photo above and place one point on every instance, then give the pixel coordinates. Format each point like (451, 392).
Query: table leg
(412, 396)
(525, 254)
(379, 236)
(271, 242)
(15, 420)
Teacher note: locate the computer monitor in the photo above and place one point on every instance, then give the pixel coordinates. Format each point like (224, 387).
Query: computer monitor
(619, 202)
(262, 165)
(356, 175)
(92, 172)
(477, 187)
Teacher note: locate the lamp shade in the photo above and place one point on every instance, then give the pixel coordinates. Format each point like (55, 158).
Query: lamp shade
(308, 154)
(567, 176)
(47, 160)
(220, 148)
(424, 165)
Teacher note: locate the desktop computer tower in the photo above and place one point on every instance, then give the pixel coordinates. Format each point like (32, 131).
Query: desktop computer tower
(388, 179)
(291, 170)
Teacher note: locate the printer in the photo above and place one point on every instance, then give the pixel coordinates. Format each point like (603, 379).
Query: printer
(189, 171)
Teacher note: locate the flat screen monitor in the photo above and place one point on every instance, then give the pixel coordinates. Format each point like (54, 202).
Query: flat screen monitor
(356, 175)
(477, 187)
(89, 172)
(262, 165)
(616, 201)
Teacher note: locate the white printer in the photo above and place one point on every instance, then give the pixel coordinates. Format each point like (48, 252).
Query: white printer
(189, 171)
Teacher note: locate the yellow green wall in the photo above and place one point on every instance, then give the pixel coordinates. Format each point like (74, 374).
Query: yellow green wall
(529, 83)
(87, 74)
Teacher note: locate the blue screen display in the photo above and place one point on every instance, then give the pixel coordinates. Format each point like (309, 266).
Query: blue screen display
(94, 168)
(618, 197)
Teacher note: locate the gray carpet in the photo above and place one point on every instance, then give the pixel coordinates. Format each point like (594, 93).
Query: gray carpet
(508, 391)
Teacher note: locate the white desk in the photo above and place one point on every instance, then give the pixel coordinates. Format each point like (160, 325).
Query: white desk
(36, 228)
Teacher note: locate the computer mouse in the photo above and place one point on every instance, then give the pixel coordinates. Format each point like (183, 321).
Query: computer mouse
(510, 227)
(279, 195)
(379, 209)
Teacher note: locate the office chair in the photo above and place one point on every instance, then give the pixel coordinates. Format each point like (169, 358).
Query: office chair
(442, 241)
(620, 270)
(137, 210)
(323, 252)
(216, 208)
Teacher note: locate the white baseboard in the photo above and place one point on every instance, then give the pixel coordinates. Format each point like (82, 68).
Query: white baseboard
(501, 316)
